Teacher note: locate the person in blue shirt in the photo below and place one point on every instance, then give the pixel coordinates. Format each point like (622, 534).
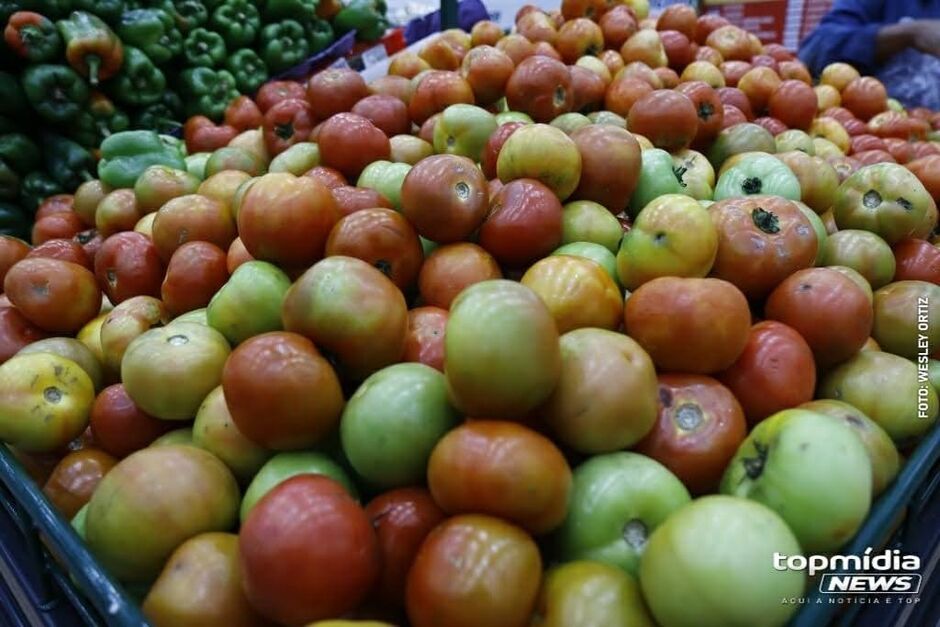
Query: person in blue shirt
(897, 41)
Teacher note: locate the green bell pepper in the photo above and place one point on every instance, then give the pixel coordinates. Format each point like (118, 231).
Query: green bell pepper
(35, 188)
(238, 21)
(19, 152)
(100, 120)
(188, 14)
(319, 34)
(158, 117)
(139, 82)
(207, 92)
(33, 37)
(153, 32)
(9, 182)
(124, 156)
(56, 92)
(7, 125)
(14, 221)
(14, 104)
(249, 70)
(108, 10)
(67, 163)
(366, 17)
(175, 143)
(203, 48)
(53, 9)
(277, 10)
(283, 45)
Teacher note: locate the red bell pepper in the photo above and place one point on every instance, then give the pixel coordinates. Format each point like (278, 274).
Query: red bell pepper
(33, 37)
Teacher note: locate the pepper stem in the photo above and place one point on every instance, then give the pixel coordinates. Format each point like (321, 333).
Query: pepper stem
(93, 62)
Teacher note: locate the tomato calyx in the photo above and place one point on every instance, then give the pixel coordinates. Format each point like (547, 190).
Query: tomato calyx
(765, 220)
(754, 466)
(635, 533)
(560, 96)
(752, 185)
(284, 131)
(688, 417)
(462, 190)
(384, 266)
(871, 199)
(52, 394)
(680, 172)
(705, 110)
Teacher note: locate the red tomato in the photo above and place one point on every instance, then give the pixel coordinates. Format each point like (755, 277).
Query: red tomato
(832, 313)
(291, 577)
(16, 332)
(667, 118)
(687, 324)
(11, 251)
(610, 165)
(457, 579)
(623, 92)
(63, 250)
(450, 269)
(680, 17)
(775, 372)
(335, 90)
(57, 296)
(402, 519)
(330, 177)
(388, 113)
(237, 255)
(60, 203)
(731, 115)
(736, 98)
(63, 225)
(494, 144)
(678, 49)
(917, 260)
(699, 429)
(383, 238)
(759, 84)
(861, 143)
(194, 218)
(75, 478)
(865, 97)
(773, 125)
(425, 340)
(618, 25)
(706, 24)
(486, 69)
(709, 108)
(445, 198)
(794, 103)
(119, 427)
(195, 273)
(128, 265)
(435, 91)
(579, 37)
(350, 142)
(524, 223)
(275, 91)
(541, 87)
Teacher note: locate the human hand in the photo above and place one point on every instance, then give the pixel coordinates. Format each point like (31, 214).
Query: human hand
(925, 36)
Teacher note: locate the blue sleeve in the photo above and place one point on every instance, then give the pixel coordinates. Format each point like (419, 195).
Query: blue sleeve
(847, 33)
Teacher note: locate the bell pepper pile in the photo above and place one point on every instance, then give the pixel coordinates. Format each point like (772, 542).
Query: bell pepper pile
(83, 70)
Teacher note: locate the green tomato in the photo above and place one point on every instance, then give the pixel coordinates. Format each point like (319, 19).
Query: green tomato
(196, 164)
(607, 117)
(297, 159)
(250, 302)
(907, 318)
(813, 471)
(864, 252)
(819, 228)
(392, 422)
(795, 139)
(884, 198)
(513, 116)
(658, 176)
(215, 431)
(711, 564)
(182, 436)
(386, 178)
(616, 501)
(233, 158)
(570, 122)
(283, 466)
(590, 593)
(933, 370)
(745, 137)
(697, 173)
(760, 174)
(196, 316)
(463, 130)
(588, 221)
(595, 252)
(78, 521)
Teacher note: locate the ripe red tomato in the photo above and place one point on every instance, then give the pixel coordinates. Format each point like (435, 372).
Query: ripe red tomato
(832, 313)
(16, 332)
(623, 92)
(541, 87)
(494, 144)
(773, 125)
(331, 177)
(450, 269)
(524, 223)
(737, 98)
(618, 25)
(11, 251)
(402, 519)
(731, 116)
(119, 427)
(487, 69)
(865, 97)
(706, 24)
(775, 372)
(793, 103)
(237, 255)
(388, 113)
(351, 199)
(733, 71)
(435, 91)
(709, 108)
(128, 265)
(291, 577)
(667, 118)
(63, 225)
(579, 37)
(57, 296)
(588, 89)
(425, 340)
(456, 581)
(75, 478)
(699, 429)
(862, 143)
(917, 260)
(191, 218)
(383, 238)
(195, 273)
(350, 142)
(63, 250)
(689, 324)
(445, 198)
(610, 165)
(333, 91)
(678, 49)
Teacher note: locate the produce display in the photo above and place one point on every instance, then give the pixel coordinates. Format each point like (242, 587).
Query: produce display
(580, 324)
(82, 71)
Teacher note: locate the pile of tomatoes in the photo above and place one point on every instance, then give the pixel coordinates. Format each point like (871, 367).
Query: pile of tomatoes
(577, 325)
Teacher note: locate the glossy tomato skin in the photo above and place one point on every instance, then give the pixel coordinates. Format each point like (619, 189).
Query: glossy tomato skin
(699, 429)
(541, 87)
(708, 107)
(11, 251)
(503, 469)
(450, 269)
(57, 296)
(16, 332)
(334, 90)
(402, 519)
(192, 218)
(865, 97)
(124, 323)
(794, 104)
(832, 313)
(668, 118)
(494, 144)
(610, 165)
(383, 238)
(197, 270)
(388, 113)
(120, 427)
(474, 570)
(350, 142)
(75, 478)
(56, 226)
(761, 241)
(64, 250)
(917, 260)
(128, 265)
(434, 91)
(445, 198)
(281, 393)
(776, 371)
(425, 340)
(292, 579)
(524, 223)
(623, 93)
(486, 69)
(688, 324)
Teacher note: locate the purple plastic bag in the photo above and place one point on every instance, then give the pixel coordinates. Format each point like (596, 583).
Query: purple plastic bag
(469, 12)
(340, 48)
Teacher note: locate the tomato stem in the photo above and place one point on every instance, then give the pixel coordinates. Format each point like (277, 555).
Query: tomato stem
(754, 466)
(871, 199)
(680, 172)
(765, 220)
(752, 185)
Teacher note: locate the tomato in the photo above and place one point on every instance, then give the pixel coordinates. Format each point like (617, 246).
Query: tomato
(333, 91)
(917, 260)
(383, 238)
(927, 170)
(330, 177)
(56, 226)
(524, 223)
(865, 97)
(63, 250)
(73, 349)
(907, 318)
(839, 75)
(350, 142)
(864, 252)
(737, 98)
(457, 580)
(579, 37)
(793, 102)
(159, 184)
(759, 85)
(699, 428)
(885, 198)
(761, 241)
(624, 92)
(124, 323)
(818, 180)
(215, 431)
(671, 236)
(445, 198)
(588, 87)
(683, 587)
(537, 26)
(503, 357)
(708, 107)
(831, 312)
(585, 221)
(184, 357)
(128, 265)
(577, 291)
(119, 427)
(402, 519)
(544, 153)
(237, 255)
(11, 251)
(407, 65)
(516, 47)
(668, 118)
(409, 149)
(425, 340)
(75, 478)
(738, 139)
(434, 91)
(351, 310)
(57, 296)
(485, 33)
(887, 389)
(617, 26)
(450, 269)
(197, 270)
(776, 371)
(388, 113)
(486, 69)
